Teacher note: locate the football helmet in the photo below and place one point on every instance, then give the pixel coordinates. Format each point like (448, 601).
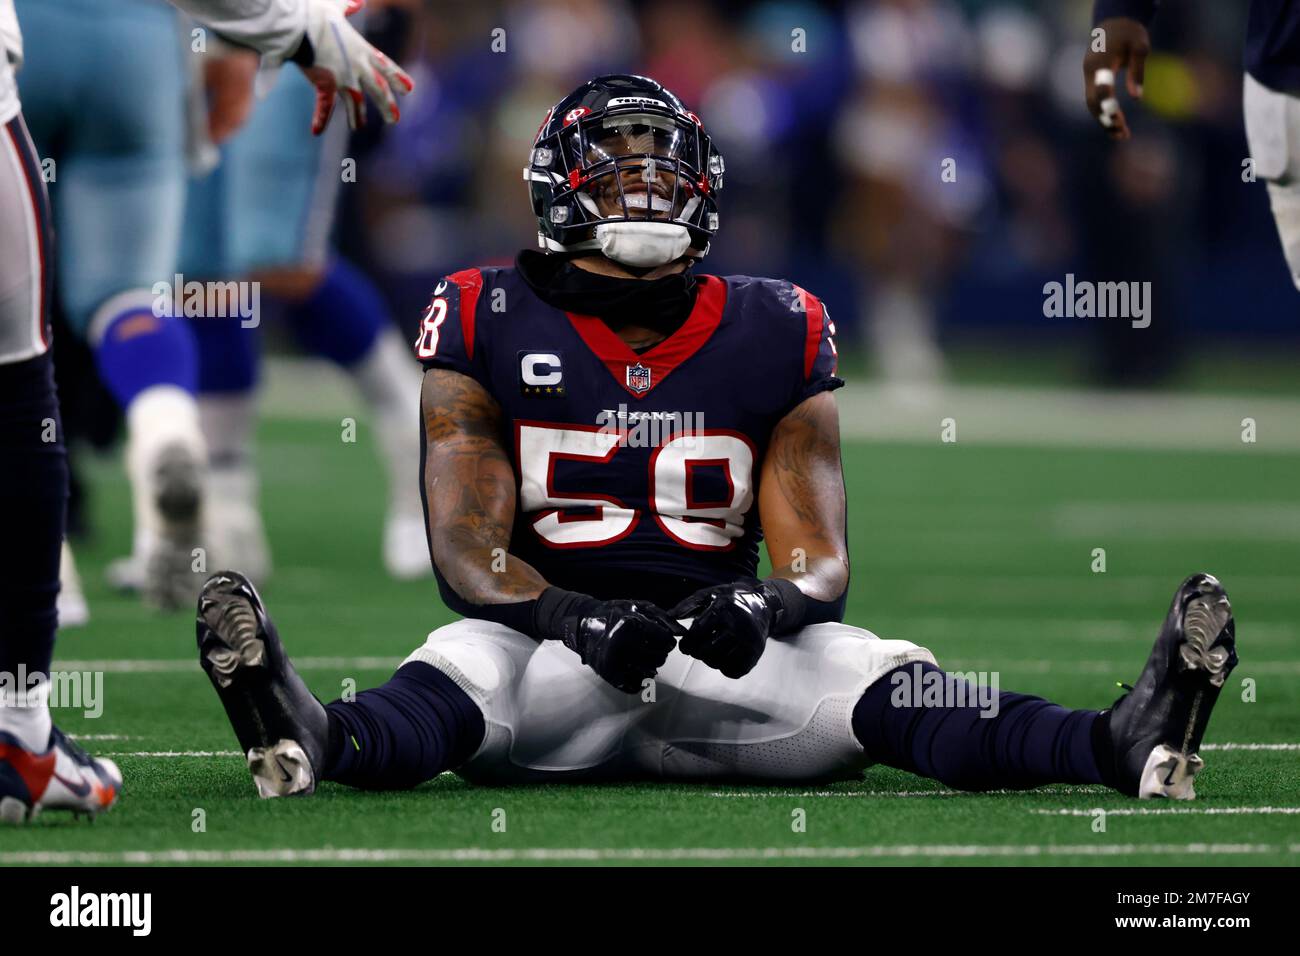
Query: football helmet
(621, 167)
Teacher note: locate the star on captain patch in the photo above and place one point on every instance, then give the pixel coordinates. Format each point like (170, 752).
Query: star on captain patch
(638, 378)
(541, 374)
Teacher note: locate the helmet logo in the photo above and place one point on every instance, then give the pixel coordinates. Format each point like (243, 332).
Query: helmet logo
(575, 114)
(635, 101)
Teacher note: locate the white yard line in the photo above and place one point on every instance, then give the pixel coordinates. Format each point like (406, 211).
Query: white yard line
(191, 665)
(907, 794)
(1029, 665)
(1051, 417)
(1168, 811)
(970, 629)
(169, 753)
(1164, 520)
(636, 854)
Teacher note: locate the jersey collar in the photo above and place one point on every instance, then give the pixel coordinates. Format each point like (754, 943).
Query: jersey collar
(639, 374)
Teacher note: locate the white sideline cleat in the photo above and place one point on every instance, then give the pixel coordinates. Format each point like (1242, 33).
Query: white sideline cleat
(406, 548)
(63, 777)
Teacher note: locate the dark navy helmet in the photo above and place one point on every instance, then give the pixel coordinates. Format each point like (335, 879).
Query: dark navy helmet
(621, 166)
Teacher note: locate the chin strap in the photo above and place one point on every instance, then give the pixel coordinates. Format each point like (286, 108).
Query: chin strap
(643, 244)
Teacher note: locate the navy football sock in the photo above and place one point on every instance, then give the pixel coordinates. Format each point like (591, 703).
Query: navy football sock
(34, 489)
(1028, 742)
(403, 733)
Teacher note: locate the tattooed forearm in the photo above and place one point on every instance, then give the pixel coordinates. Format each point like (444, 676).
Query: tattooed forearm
(801, 500)
(805, 458)
(470, 487)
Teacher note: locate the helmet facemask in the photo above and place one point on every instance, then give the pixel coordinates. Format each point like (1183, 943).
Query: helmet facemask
(634, 183)
(636, 167)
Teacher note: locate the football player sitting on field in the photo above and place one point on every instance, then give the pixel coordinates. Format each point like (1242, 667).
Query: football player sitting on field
(612, 622)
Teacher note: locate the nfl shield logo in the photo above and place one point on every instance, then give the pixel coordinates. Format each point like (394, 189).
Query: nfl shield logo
(638, 378)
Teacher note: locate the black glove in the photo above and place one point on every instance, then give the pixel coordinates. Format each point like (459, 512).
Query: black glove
(731, 626)
(625, 642)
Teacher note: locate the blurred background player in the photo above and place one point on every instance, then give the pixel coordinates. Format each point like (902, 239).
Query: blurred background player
(120, 151)
(40, 768)
(266, 214)
(118, 190)
(1271, 94)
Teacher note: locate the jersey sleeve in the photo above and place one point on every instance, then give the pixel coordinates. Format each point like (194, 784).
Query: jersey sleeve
(448, 328)
(272, 27)
(1143, 11)
(819, 356)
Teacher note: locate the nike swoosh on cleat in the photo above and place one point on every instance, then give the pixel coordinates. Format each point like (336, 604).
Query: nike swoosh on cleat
(81, 789)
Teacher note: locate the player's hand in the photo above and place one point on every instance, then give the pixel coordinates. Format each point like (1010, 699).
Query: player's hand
(730, 627)
(340, 63)
(1127, 46)
(625, 642)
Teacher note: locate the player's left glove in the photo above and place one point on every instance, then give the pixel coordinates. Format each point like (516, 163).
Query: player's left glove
(339, 62)
(731, 625)
(625, 642)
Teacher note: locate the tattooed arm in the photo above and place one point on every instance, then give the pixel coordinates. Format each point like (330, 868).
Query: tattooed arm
(470, 487)
(801, 506)
(801, 500)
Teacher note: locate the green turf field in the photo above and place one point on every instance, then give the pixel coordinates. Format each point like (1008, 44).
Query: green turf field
(981, 553)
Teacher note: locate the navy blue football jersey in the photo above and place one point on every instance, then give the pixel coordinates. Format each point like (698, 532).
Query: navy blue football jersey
(635, 466)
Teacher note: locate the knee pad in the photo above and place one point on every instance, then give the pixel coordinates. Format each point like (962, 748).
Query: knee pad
(479, 656)
(488, 662)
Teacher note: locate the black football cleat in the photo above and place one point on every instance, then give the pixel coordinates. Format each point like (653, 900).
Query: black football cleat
(282, 728)
(1156, 728)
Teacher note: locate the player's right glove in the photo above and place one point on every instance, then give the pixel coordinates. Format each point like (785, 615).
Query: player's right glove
(339, 62)
(625, 642)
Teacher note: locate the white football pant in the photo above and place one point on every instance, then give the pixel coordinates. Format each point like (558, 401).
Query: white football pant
(1273, 133)
(548, 715)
